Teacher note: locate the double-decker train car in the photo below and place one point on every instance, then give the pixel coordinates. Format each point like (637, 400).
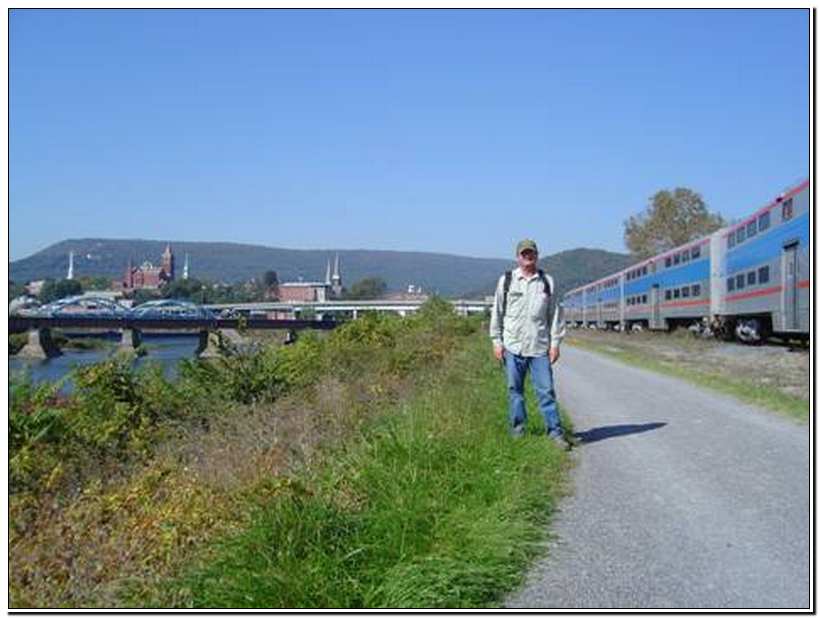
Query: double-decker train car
(767, 269)
(750, 279)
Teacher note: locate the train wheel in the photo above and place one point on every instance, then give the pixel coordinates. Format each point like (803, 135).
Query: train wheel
(751, 331)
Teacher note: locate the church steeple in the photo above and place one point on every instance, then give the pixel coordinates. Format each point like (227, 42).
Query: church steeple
(168, 263)
(327, 276)
(70, 266)
(185, 270)
(337, 287)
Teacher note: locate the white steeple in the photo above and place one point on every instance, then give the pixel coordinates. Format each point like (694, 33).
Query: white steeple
(70, 266)
(327, 276)
(337, 287)
(185, 270)
(336, 274)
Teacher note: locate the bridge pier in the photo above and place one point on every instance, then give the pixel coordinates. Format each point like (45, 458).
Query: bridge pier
(214, 343)
(131, 340)
(39, 345)
(355, 314)
(209, 344)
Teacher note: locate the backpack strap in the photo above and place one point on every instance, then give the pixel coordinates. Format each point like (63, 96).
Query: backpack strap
(507, 282)
(547, 289)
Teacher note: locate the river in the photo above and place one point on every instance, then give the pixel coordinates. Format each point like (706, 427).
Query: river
(168, 350)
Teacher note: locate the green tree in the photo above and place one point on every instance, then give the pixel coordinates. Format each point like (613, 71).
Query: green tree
(671, 218)
(55, 290)
(184, 289)
(367, 288)
(89, 282)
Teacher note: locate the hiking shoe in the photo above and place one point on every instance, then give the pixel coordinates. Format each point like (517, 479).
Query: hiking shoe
(517, 431)
(560, 441)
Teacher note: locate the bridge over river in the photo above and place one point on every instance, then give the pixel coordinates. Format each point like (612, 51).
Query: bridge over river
(215, 323)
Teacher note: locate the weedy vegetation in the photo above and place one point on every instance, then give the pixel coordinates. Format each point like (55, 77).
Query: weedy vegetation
(367, 468)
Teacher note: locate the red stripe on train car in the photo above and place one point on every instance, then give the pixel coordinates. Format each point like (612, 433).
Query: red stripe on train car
(763, 292)
(803, 284)
(686, 303)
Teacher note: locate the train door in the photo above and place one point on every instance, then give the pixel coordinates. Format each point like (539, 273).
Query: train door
(655, 306)
(790, 276)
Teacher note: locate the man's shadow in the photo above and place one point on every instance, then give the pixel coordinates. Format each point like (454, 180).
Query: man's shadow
(613, 431)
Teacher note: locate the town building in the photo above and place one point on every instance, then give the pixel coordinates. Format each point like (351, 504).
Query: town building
(413, 292)
(148, 276)
(313, 291)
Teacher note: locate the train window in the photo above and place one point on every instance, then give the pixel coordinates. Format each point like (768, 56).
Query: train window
(668, 262)
(695, 289)
(685, 256)
(645, 270)
(645, 298)
(740, 234)
(764, 220)
(686, 291)
(732, 239)
(676, 258)
(787, 209)
(730, 284)
(676, 292)
(764, 274)
(668, 294)
(740, 281)
(695, 252)
(752, 278)
(750, 229)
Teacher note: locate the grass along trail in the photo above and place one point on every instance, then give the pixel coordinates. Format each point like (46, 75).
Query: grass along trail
(434, 506)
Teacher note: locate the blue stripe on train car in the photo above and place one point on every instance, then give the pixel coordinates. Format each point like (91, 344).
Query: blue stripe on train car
(696, 271)
(768, 246)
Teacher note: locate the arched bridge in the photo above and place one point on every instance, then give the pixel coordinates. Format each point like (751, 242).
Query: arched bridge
(102, 313)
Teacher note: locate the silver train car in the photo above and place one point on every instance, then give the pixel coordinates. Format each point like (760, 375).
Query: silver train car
(749, 280)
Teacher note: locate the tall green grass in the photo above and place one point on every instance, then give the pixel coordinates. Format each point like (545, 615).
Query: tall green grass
(434, 506)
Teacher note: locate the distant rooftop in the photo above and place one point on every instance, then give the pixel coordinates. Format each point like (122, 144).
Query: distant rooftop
(304, 284)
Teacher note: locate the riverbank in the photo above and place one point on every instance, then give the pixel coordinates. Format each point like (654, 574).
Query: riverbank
(370, 468)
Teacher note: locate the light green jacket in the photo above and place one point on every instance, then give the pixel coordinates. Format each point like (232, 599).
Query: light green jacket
(526, 328)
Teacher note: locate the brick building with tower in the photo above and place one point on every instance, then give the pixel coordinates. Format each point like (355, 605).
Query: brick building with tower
(148, 275)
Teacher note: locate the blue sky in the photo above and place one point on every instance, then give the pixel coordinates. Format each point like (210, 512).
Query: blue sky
(446, 131)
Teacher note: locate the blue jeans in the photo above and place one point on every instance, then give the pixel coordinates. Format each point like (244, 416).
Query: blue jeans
(541, 370)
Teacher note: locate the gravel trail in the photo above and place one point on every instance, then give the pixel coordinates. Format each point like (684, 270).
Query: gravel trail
(682, 498)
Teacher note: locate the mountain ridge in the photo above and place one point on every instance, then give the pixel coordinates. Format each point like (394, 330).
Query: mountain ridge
(442, 273)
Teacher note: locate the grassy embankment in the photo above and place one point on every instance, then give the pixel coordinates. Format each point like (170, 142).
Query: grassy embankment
(713, 378)
(371, 468)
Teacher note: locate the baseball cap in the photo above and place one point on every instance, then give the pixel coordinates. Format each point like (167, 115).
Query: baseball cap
(523, 245)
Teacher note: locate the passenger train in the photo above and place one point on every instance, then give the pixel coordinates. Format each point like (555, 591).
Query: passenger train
(749, 280)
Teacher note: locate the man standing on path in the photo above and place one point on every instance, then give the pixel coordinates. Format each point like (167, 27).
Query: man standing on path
(526, 329)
